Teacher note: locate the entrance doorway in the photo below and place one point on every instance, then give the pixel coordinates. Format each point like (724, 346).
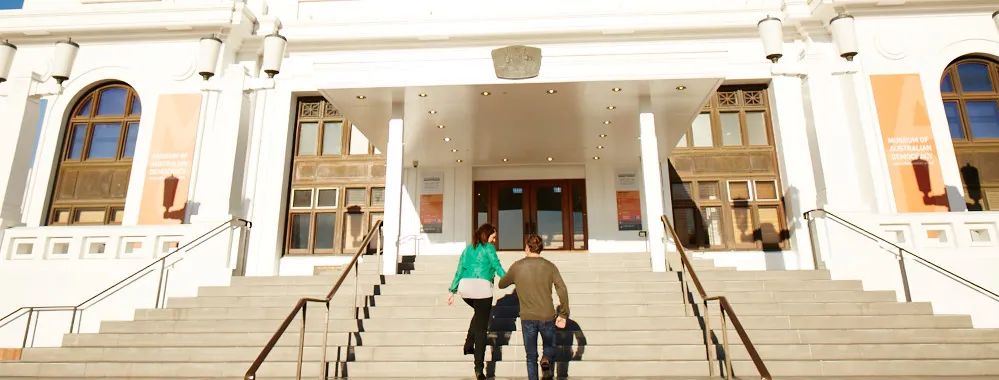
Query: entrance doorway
(552, 209)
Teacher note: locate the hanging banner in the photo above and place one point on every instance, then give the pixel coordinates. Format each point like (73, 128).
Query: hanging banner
(171, 154)
(432, 202)
(629, 201)
(910, 150)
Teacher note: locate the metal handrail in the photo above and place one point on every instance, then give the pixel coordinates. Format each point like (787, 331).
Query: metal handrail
(251, 373)
(79, 308)
(726, 311)
(900, 256)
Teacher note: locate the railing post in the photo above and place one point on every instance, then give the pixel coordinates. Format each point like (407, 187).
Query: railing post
(326, 333)
(378, 251)
(27, 328)
(905, 276)
(301, 343)
(728, 357)
(159, 285)
(72, 321)
(707, 340)
(815, 240)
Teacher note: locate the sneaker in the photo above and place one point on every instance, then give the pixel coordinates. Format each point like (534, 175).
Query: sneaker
(546, 369)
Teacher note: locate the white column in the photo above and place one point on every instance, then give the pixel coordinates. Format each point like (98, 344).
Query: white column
(18, 120)
(393, 191)
(218, 190)
(653, 185)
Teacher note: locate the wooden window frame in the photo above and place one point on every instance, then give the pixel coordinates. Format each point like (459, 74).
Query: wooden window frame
(969, 144)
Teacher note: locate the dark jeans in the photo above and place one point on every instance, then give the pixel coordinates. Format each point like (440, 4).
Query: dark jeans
(531, 330)
(477, 329)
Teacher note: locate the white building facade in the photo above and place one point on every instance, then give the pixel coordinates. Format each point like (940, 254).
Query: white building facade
(393, 110)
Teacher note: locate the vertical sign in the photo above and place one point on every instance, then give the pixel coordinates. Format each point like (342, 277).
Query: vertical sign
(911, 153)
(629, 202)
(164, 194)
(432, 202)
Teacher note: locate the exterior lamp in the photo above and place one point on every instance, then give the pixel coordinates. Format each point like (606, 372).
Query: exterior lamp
(772, 34)
(845, 36)
(63, 59)
(995, 17)
(7, 51)
(208, 56)
(274, 48)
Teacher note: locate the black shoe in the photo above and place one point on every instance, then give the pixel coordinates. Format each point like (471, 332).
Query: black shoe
(469, 349)
(546, 369)
(479, 375)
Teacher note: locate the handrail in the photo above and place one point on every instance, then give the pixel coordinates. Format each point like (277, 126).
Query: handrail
(302, 304)
(726, 310)
(901, 257)
(82, 306)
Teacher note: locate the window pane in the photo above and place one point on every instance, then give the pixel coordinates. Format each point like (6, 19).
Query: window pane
(78, 137)
(730, 129)
(681, 191)
(378, 196)
(300, 231)
(770, 228)
(372, 218)
(756, 127)
(578, 204)
(112, 102)
(984, 118)
(60, 217)
(742, 225)
(683, 141)
(946, 85)
(712, 225)
(117, 215)
(136, 106)
(327, 198)
(974, 77)
(766, 190)
(355, 197)
(308, 139)
(708, 191)
(104, 143)
(325, 230)
(332, 138)
(353, 233)
(954, 120)
(686, 226)
(85, 110)
(89, 216)
(738, 190)
(701, 130)
(130, 137)
(378, 151)
(301, 198)
(358, 142)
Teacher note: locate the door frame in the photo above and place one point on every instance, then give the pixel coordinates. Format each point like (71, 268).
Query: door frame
(568, 228)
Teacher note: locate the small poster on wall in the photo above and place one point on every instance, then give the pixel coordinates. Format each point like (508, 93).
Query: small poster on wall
(432, 202)
(629, 201)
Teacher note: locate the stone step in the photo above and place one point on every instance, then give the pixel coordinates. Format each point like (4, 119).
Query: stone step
(915, 368)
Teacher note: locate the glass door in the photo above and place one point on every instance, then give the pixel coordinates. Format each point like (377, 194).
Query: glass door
(511, 205)
(547, 213)
(555, 210)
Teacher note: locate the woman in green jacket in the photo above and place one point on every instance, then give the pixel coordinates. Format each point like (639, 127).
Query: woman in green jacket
(473, 280)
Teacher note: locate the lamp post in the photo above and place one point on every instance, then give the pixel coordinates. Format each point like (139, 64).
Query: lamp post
(772, 33)
(7, 51)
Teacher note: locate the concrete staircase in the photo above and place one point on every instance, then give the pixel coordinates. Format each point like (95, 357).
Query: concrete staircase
(626, 322)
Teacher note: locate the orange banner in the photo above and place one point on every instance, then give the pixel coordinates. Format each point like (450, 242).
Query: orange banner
(171, 153)
(910, 149)
(629, 211)
(432, 213)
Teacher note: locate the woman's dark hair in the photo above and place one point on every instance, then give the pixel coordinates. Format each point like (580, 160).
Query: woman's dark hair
(481, 235)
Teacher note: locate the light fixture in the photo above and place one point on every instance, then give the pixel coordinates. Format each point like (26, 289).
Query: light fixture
(362, 97)
(447, 139)
(607, 122)
(422, 94)
(602, 135)
(486, 93)
(995, 17)
(681, 88)
(505, 160)
(458, 160)
(63, 59)
(549, 159)
(454, 151)
(616, 89)
(440, 126)
(208, 56)
(7, 51)
(274, 47)
(600, 146)
(772, 33)
(596, 157)
(611, 107)
(552, 91)
(432, 112)
(845, 35)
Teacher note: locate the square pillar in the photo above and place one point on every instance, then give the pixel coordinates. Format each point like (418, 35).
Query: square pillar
(652, 185)
(18, 120)
(393, 191)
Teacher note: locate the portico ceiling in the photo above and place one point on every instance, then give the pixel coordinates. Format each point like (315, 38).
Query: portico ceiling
(525, 123)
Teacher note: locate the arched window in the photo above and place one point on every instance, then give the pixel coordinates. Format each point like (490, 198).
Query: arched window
(970, 90)
(96, 157)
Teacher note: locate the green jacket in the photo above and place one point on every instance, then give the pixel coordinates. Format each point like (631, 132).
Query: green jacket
(477, 262)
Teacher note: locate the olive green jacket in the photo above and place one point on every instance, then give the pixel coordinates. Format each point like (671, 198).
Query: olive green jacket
(477, 262)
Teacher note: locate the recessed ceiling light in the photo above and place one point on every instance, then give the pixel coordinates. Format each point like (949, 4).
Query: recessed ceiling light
(611, 107)
(552, 91)
(616, 89)
(432, 112)
(596, 157)
(447, 139)
(486, 93)
(603, 135)
(422, 94)
(549, 159)
(607, 122)
(440, 126)
(681, 87)
(505, 160)
(600, 146)
(362, 97)
(458, 161)
(454, 151)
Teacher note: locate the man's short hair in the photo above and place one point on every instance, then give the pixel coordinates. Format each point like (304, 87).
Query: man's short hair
(535, 244)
